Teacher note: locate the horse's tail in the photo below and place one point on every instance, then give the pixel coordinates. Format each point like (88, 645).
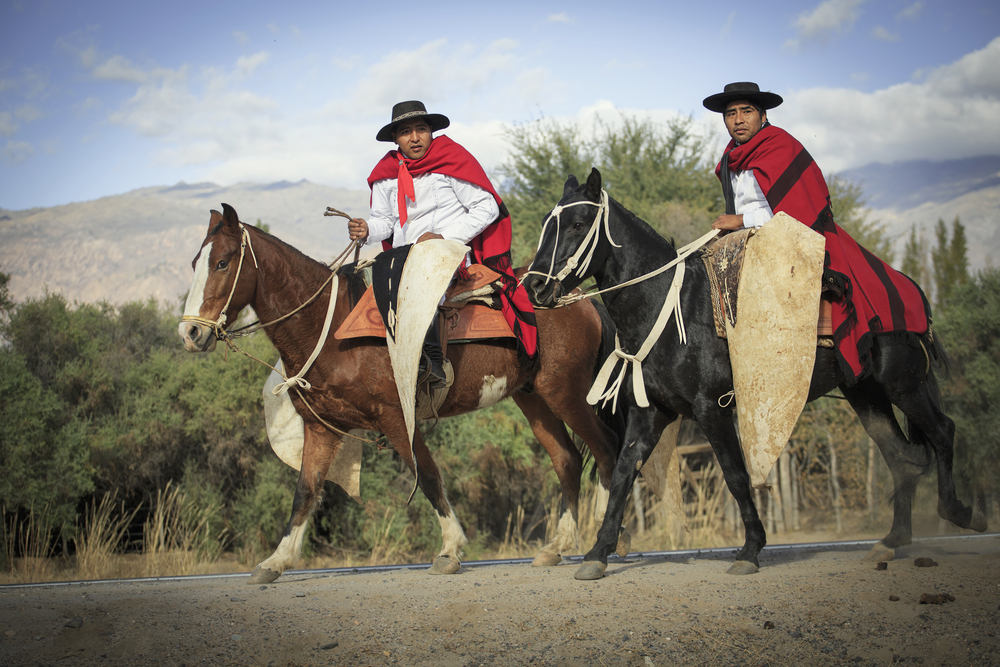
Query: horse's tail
(937, 360)
(613, 419)
(936, 356)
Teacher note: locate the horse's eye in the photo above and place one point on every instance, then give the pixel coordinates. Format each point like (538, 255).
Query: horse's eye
(221, 265)
(578, 225)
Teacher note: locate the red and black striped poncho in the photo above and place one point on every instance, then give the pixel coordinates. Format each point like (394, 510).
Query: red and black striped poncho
(869, 296)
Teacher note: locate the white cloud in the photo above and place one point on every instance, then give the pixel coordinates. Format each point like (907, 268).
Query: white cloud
(241, 37)
(7, 125)
(247, 65)
(28, 113)
(728, 26)
(86, 105)
(950, 114)
(430, 73)
(828, 17)
(561, 17)
(118, 68)
(880, 33)
(348, 64)
(911, 13)
(16, 152)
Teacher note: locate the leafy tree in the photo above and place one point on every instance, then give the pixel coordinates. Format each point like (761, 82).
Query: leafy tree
(951, 263)
(915, 260)
(43, 452)
(661, 172)
(971, 331)
(851, 212)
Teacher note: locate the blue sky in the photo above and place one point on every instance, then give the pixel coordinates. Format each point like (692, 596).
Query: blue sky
(99, 98)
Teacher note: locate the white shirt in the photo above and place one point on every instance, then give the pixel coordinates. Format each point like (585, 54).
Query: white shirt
(445, 205)
(750, 199)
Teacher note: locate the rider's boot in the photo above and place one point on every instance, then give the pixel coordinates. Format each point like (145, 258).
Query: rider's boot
(432, 353)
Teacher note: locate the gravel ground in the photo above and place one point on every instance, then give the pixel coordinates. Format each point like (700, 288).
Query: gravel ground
(808, 606)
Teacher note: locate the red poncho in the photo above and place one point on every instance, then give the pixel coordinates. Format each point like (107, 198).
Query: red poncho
(491, 247)
(869, 296)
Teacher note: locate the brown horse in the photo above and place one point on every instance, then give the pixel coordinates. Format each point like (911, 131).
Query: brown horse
(353, 387)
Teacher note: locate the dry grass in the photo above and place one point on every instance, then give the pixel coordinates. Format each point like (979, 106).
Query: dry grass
(30, 539)
(100, 541)
(177, 536)
(178, 539)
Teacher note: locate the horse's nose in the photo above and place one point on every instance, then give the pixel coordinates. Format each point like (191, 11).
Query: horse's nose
(197, 337)
(539, 291)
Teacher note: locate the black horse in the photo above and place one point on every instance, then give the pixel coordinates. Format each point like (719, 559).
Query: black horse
(689, 379)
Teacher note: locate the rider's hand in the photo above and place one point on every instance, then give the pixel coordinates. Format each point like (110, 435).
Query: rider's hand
(427, 236)
(728, 222)
(358, 229)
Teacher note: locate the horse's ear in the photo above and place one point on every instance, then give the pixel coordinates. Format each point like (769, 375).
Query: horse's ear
(571, 184)
(214, 222)
(229, 216)
(593, 191)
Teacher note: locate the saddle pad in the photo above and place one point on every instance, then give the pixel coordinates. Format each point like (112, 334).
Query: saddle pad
(471, 322)
(724, 261)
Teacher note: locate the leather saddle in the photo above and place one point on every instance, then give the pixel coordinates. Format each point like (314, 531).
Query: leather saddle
(471, 311)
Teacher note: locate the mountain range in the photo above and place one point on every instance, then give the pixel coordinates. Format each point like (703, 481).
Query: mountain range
(140, 244)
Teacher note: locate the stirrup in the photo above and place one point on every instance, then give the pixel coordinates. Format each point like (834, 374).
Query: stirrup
(427, 372)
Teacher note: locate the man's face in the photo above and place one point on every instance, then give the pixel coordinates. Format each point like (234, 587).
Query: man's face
(743, 120)
(413, 138)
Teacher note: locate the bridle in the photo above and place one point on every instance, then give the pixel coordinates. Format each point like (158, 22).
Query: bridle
(217, 325)
(587, 247)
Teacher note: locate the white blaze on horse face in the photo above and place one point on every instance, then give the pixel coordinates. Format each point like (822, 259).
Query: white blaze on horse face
(493, 391)
(196, 296)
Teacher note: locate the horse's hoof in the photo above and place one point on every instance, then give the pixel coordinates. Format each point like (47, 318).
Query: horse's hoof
(445, 565)
(743, 567)
(978, 522)
(590, 570)
(880, 554)
(546, 559)
(263, 575)
(624, 543)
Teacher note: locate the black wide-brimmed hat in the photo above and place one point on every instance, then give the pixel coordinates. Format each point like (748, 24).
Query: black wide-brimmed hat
(743, 90)
(406, 111)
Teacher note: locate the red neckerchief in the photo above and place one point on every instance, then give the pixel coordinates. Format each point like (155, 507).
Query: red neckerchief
(405, 180)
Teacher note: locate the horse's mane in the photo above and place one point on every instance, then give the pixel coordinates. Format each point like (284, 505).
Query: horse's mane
(651, 236)
(354, 282)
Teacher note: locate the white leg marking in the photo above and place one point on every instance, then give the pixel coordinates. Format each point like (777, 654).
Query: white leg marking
(493, 391)
(567, 536)
(452, 534)
(287, 552)
(600, 503)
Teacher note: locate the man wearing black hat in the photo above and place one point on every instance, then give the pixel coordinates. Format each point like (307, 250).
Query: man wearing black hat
(764, 171)
(431, 187)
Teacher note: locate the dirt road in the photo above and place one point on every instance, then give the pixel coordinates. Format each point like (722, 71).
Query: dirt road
(810, 606)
